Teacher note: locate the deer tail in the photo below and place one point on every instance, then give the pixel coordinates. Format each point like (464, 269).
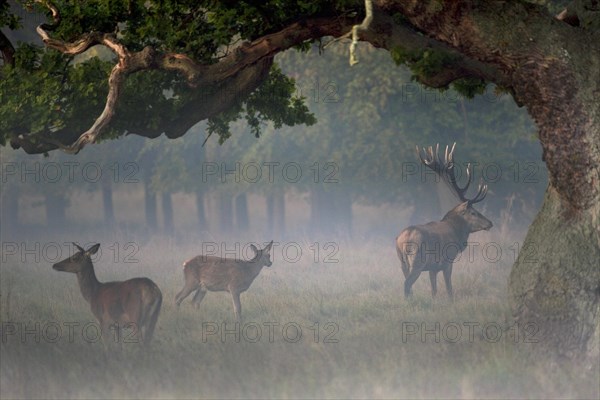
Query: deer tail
(404, 263)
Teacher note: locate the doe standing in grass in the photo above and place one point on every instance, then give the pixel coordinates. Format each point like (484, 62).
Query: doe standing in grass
(134, 303)
(208, 273)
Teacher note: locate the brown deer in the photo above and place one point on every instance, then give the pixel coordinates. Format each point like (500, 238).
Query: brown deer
(216, 274)
(433, 247)
(134, 303)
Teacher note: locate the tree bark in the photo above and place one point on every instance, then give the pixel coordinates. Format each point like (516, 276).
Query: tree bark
(555, 282)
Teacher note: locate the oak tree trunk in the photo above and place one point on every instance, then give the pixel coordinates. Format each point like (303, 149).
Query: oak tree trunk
(555, 282)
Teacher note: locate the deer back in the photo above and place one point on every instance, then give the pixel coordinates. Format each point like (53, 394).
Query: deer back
(221, 274)
(124, 302)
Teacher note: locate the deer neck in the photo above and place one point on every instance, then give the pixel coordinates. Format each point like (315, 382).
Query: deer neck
(459, 226)
(88, 283)
(255, 268)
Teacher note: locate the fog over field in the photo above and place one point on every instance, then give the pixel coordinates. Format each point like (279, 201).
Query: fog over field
(329, 318)
(327, 327)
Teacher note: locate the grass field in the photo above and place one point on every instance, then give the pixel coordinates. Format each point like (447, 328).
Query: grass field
(359, 337)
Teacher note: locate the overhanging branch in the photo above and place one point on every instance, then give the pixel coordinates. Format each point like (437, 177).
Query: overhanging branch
(234, 77)
(247, 67)
(357, 29)
(388, 33)
(116, 79)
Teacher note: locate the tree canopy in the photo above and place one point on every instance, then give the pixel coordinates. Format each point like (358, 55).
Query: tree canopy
(175, 63)
(193, 59)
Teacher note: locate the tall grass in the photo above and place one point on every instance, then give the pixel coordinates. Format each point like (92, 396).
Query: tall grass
(358, 333)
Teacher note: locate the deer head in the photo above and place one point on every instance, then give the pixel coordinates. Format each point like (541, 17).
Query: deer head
(78, 261)
(468, 216)
(262, 256)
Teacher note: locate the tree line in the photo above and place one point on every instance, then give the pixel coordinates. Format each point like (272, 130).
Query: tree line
(362, 151)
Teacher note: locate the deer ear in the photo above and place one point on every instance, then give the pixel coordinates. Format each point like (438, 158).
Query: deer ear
(254, 249)
(93, 249)
(78, 247)
(463, 207)
(268, 247)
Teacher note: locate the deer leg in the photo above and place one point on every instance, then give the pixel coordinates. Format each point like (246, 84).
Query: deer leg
(198, 297)
(150, 324)
(448, 281)
(111, 335)
(142, 335)
(433, 279)
(237, 306)
(412, 277)
(185, 292)
(105, 331)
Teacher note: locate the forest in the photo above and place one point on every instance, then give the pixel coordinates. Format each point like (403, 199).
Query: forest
(164, 130)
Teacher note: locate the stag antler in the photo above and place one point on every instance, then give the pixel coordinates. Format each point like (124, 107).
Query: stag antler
(446, 171)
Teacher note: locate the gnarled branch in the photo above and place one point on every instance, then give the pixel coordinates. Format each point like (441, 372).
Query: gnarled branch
(116, 79)
(387, 33)
(363, 27)
(245, 68)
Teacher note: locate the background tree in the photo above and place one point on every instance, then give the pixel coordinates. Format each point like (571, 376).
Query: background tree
(371, 117)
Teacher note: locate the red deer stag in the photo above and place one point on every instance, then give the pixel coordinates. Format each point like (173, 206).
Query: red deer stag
(134, 303)
(216, 274)
(433, 247)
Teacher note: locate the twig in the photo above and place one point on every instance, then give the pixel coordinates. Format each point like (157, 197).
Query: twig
(362, 27)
